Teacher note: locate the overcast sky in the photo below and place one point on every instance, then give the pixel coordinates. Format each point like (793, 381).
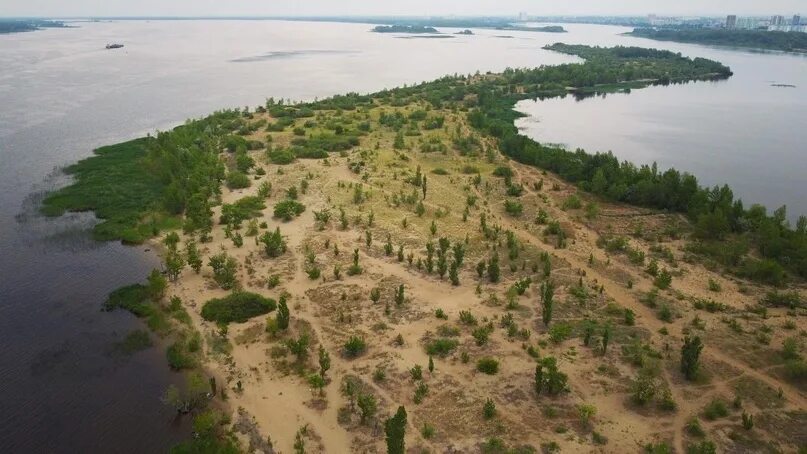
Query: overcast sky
(393, 7)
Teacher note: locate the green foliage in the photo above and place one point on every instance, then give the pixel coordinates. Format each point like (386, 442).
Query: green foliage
(715, 409)
(760, 39)
(548, 378)
(395, 431)
(487, 366)
(288, 209)
(224, 269)
(441, 346)
(274, 244)
(245, 208)
(690, 356)
(489, 409)
(237, 307)
(355, 346)
(283, 316)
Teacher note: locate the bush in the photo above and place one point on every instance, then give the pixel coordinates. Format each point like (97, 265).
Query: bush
(237, 180)
(715, 409)
(237, 307)
(441, 346)
(355, 346)
(179, 357)
(488, 366)
(281, 156)
(513, 208)
(288, 209)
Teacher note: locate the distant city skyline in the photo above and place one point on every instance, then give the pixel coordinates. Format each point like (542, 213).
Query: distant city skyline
(100, 8)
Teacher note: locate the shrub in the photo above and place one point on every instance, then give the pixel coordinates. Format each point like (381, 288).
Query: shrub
(488, 366)
(441, 346)
(355, 346)
(288, 209)
(179, 357)
(237, 307)
(513, 208)
(237, 180)
(281, 156)
(715, 409)
(572, 202)
(489, 409)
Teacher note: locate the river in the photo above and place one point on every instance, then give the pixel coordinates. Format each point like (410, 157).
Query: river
(63, 94)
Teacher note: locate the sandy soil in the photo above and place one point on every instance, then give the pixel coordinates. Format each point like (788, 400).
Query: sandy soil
(276, 392)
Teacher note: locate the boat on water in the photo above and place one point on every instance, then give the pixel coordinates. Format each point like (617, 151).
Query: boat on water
(114, 46)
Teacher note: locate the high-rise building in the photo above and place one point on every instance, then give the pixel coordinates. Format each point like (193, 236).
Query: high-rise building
(522, 17)
(796, 20)
(731, 21)
(778, 20)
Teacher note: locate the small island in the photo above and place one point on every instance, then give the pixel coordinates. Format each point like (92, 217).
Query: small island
(752, 39)
(465, 32)
(415, 29)
(545, 29)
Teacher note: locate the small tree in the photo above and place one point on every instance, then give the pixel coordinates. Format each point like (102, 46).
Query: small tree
(283, 315)
(606, 337)
(493, 268)
(367, 406)
(274, 244)
(193, 257)
(423, 186)
(489, 409)
(400, 297)
(299, 347)
(375, 294)
(548, 378)
(748, 421)
(317, 382)
(453, 274)
(324, 361)
(224, 269)
(586, 412)
(690, 356)
(156, 285)
(395, 430)
(431, 364)
(547, 296)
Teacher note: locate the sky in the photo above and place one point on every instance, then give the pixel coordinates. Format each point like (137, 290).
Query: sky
(394, 7)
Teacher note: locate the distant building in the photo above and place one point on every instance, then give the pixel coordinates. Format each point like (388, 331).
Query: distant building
(796, 20)
(747, 23)
(731, 21)
(777, 20)
(522, 17)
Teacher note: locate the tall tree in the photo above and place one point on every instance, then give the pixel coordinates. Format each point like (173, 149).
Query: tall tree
(395, 429)
(547, 301)
(690, 356)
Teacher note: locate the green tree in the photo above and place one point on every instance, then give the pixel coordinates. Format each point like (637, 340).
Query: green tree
(690, 356)
(395, 430)
(193, 257)
(367, 406)
(324, 361)
(547, 297)
(283, 315)
(224, 270)
(274, 244)
(493, 268)
(156, 285)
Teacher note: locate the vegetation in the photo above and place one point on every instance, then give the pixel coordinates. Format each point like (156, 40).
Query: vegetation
(759, 39)
(237, 307)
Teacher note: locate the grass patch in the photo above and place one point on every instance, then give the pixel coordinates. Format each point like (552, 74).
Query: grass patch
(116, 184)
